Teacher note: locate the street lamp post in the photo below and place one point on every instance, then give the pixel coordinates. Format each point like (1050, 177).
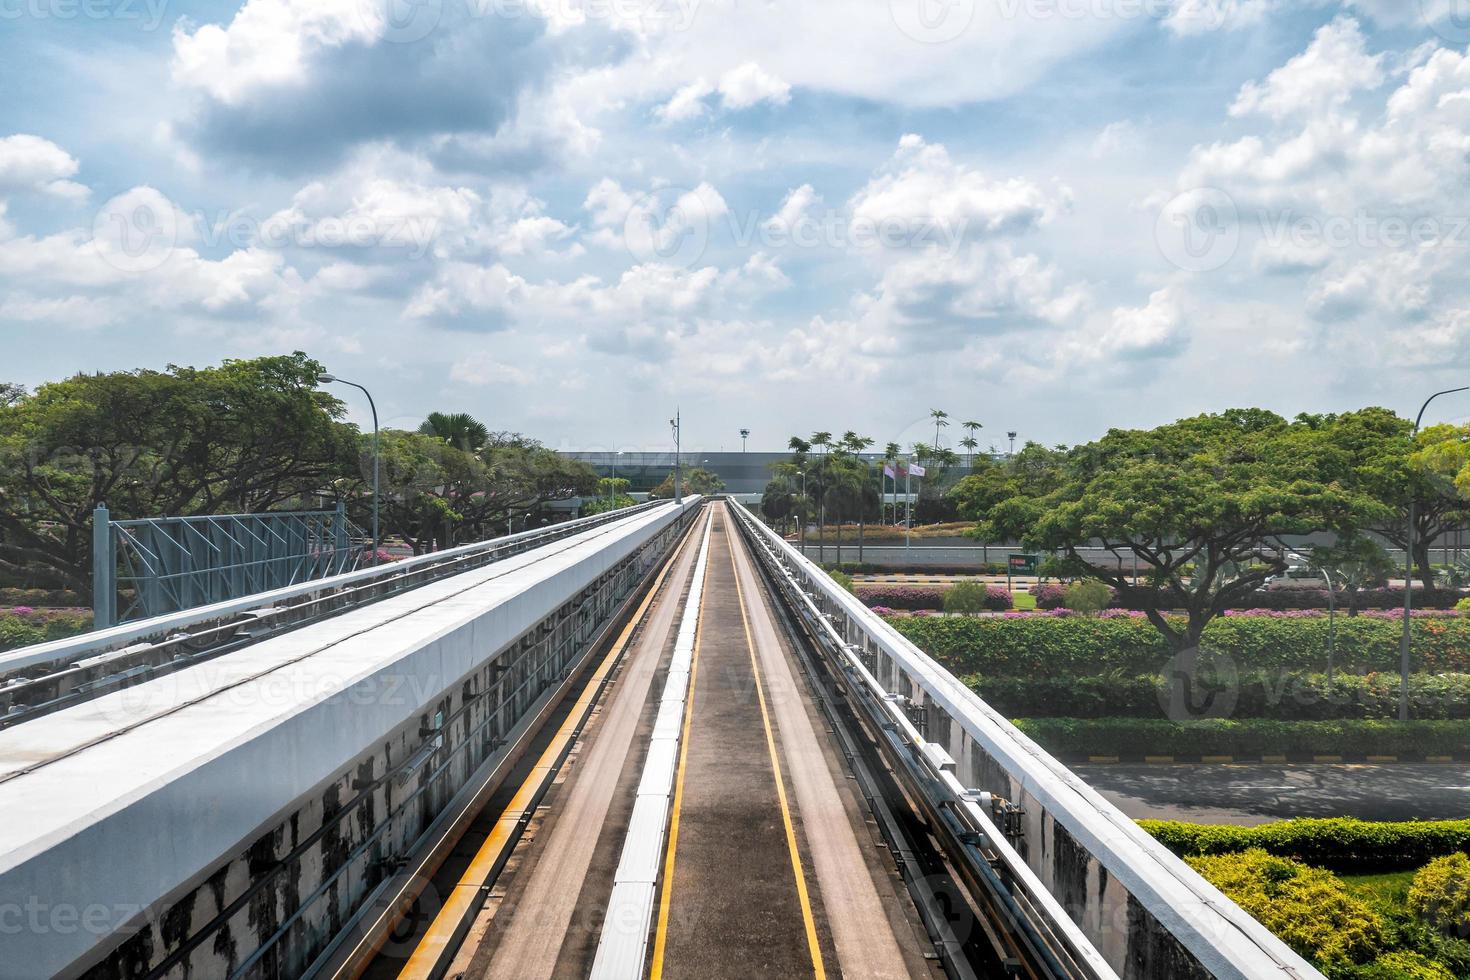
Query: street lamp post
(329, 379)
(1409, 568)
(674, 424)
(1331, 617)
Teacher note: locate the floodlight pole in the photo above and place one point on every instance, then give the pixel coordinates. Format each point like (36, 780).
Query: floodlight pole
(328, 379)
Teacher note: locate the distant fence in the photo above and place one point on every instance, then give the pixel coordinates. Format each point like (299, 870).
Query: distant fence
(160, 565)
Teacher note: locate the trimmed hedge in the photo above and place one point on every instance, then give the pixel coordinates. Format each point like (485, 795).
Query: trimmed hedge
(39, 597)
(1340, 843)
(1285, 697)
(1137, 737)
(1000, 647)
(1053, 596)
(1309, 909)
(21, 629)
(907, 597)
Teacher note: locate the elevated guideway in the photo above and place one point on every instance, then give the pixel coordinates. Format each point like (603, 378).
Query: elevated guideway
(658, 743)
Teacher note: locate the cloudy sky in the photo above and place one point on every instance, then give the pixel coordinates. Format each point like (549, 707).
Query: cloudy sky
(568, 216)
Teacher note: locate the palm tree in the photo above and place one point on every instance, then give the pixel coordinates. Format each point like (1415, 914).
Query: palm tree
(857, 445)
(941, 421)
(463, 432)
(969, 442)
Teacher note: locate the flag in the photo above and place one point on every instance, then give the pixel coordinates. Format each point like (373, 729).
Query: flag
(916, 469)
(888, 471)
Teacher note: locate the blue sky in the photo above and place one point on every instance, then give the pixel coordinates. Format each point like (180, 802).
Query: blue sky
(568, 216)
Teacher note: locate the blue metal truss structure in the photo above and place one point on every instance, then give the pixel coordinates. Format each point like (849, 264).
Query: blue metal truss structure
(158, 565)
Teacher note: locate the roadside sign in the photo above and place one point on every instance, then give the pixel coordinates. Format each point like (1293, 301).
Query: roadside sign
(1023, 564)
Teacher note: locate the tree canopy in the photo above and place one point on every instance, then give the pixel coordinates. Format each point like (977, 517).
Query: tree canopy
(1201, 503)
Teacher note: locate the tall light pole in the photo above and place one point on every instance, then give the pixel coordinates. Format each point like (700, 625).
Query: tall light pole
(1331, 614)
(1012, 436)
(744, 435)
(613, 490)
(678, 485)
(1409, 567)
(327, 379)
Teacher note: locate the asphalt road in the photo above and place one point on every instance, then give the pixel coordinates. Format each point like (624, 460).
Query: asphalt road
(1256, 794)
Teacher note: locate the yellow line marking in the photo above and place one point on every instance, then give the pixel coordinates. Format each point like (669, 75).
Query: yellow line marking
(666, 887)
(457, 905)
(813, 946)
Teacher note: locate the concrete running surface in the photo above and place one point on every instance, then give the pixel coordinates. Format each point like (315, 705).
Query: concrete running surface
(733, 906)
(1251, 794)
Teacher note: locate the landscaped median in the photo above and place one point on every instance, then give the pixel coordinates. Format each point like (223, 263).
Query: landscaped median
(1248, 739)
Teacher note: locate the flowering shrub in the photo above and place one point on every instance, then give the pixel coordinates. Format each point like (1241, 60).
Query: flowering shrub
(900, 597)
(23, 625)
(974, 597)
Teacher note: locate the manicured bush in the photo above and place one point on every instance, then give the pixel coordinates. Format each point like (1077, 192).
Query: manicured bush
(1088, 596)
(900, 596)
(975, 597)
(39, 597)
(1440, 894)
(841, 578)
(1309, 909)
(22, 625)
(1340, 843)
(1076, 738)
(1402, 964)
(1286, 697)
(1032, 646)
(1463, 606)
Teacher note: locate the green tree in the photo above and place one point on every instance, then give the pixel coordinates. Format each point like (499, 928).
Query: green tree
(1201, 503)
(941, 421)
(248, 435)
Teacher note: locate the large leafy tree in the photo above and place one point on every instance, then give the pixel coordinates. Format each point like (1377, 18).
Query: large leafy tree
(437, 493)
(1201, 503)
(248, 435)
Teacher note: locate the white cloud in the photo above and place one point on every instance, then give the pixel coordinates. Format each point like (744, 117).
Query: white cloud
(793, 208)
(749, 84)
(30, 163)
(1324, 77)
(687, 103)
(924, 191)
(1152, 330)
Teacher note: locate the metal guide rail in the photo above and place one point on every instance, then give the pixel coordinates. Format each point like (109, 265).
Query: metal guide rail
(1141, 907)
(39, 679)
(1029, 925)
